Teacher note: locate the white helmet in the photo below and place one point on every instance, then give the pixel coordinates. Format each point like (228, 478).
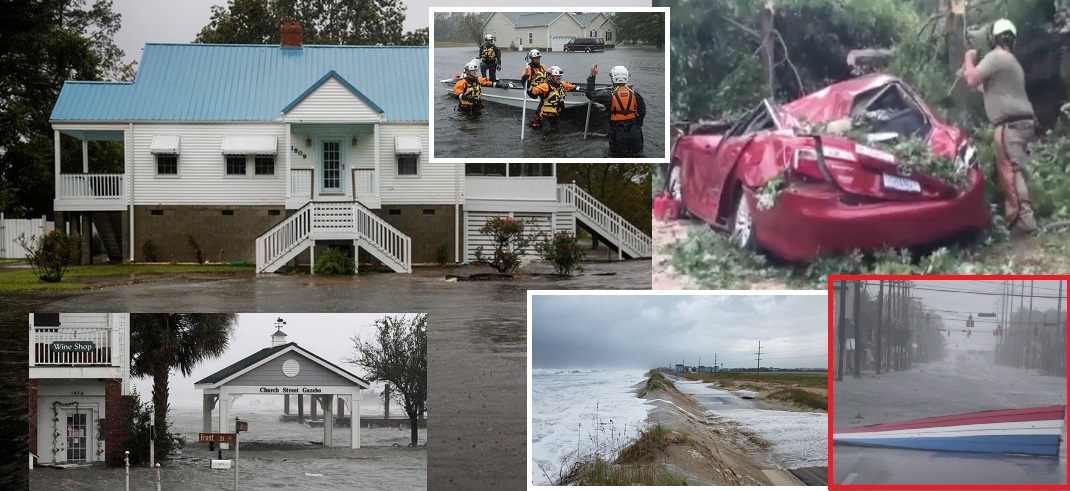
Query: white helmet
(472, 65)
(489, 38)
(555, 71)
(534, 54)
(619, 75)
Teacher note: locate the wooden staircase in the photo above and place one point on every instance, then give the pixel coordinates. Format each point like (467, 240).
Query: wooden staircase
(612, 228)
(333, 221)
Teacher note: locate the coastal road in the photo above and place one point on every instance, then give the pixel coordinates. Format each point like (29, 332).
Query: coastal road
(940, 389)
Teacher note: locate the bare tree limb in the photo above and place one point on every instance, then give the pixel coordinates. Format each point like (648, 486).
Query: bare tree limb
(802, 88)
(752, 32)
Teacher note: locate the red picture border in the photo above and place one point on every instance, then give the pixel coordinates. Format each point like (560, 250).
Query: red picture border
(833, 486)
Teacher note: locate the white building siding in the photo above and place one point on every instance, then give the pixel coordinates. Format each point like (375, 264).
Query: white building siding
(201, 169)
(503, 31)
(436, 184)
(566, 26)
(473, 221)
(332, 102)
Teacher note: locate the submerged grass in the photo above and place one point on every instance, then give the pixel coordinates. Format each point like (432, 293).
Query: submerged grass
(23, 279)
(801, 398)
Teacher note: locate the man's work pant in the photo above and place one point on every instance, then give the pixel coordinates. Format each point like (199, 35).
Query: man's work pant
(625, 139)
(493, 68)
(1012, 155)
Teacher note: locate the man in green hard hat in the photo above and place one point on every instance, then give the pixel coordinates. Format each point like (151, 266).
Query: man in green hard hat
(1001, 78)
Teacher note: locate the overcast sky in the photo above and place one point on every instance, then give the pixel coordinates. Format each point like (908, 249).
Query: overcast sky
(170, 21)
(640, 331)
(962, 298)
(326, 335)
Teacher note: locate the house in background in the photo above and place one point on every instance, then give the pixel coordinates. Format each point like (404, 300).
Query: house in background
(548, 31)
(78, 386)
(264, 153)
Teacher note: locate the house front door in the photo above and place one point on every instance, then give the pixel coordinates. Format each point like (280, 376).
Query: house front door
(77, 435)
(333, 168)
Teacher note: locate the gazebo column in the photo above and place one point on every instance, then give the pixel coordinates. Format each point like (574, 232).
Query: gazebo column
(224, 409)
(209, 403)
(354, 418)
(301, 409)
(328, 421)
(312, 407)
(286, 404)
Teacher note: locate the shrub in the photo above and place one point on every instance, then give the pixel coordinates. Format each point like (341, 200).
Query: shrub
(51, 254)
(442, 254)
(148, 249)
(561, 250)
(509, 243)
(135, 421)
(335, 261)
(196, 249)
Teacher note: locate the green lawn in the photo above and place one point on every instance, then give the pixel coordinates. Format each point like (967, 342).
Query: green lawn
(786, 378)
(12, 279)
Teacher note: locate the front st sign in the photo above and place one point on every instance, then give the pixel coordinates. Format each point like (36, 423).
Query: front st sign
(215, 437)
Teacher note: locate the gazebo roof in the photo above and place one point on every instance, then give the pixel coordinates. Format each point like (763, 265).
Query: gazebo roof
(267, 354)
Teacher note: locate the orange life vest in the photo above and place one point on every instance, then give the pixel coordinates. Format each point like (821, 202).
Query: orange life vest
(536, 76)
(622, 107)
(554, 100)
(473, 89)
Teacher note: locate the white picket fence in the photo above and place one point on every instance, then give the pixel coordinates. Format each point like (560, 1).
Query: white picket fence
(11, 228)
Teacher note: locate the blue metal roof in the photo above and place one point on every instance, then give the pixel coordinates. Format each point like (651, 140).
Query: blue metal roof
(213, 82)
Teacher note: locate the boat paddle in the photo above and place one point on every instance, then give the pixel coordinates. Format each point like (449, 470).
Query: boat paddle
(524, 112)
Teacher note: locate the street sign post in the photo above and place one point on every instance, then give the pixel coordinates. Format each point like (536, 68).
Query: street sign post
(241, 426)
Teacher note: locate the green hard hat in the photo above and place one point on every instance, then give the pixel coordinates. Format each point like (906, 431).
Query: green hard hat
(1004, 26)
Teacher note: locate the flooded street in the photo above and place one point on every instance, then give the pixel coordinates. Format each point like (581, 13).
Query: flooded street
(940, 389)
(496, 132)
(477, 346)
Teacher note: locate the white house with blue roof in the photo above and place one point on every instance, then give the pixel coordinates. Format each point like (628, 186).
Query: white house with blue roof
(258, 153)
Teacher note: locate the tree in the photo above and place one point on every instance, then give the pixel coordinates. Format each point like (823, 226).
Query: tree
(335, 22)
(398, 355)
(624, 188)
(160, 343)
(471, 28)
(640, 27)
(42, 44)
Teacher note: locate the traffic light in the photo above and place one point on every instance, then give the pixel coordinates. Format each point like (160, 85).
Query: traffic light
(949, 333)
(969, 321)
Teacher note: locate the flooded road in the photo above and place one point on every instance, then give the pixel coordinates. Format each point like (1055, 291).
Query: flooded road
(496, 132)
(477, 345)
(941, 389)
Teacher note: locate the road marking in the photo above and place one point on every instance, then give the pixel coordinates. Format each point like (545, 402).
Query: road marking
(850, 478)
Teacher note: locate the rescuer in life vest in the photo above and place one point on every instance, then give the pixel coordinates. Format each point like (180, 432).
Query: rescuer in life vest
(626, 112)
(468, 89)
(534, 72)
(491, 58)
(552, 94)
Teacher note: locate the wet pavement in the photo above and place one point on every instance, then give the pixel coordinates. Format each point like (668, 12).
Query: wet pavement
(477, 345)
(940, 389)
(496, 132)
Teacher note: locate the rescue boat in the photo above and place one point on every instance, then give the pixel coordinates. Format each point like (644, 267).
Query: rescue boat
(514, 95)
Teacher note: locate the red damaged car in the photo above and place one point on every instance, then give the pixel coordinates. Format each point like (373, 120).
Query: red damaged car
(839, 195)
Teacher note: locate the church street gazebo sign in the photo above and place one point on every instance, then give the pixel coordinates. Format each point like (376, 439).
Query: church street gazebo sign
(73, 346)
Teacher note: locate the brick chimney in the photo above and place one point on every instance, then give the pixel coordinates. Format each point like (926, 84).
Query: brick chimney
(291, 35)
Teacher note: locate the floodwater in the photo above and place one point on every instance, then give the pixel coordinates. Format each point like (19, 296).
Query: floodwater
(272, 454)
(477, 346)
(496, 132)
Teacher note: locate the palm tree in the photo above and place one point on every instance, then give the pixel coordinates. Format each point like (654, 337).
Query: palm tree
(162, 342)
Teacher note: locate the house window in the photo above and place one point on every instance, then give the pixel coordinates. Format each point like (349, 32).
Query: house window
(594, 34)
(407, 165)
(166, 165)
(235, 165)
(609, 35)
(531, 169)
(485, 169)
(265, 165)
(530, 38)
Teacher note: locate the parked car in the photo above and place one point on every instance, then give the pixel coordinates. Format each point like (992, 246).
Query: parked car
(587, 45)
(839, 194)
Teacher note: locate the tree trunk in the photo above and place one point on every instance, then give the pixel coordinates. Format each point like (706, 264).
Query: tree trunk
(769, 48)
(414, 425)
(954, 29)
(160, 391)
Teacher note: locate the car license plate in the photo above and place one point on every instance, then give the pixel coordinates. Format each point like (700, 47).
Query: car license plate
(899, 183)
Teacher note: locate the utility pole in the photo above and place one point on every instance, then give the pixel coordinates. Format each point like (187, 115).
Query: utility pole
(1019, 353)
(843, 319)
(759, 361)
(1060, 351)
(858, 329)
(880, 323)
(1030, 361)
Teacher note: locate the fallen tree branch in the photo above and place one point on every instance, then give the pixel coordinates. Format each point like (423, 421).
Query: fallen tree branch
(802, 88)
(746, 29)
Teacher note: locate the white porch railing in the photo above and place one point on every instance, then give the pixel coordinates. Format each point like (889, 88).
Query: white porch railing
(627, 236)
(71, 346)
(301, 183)
(90, 186)
(333, 221)
(364, 183)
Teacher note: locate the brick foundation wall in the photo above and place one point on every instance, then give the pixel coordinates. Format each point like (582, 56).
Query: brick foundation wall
(116, 425)
(428, 231)
(33, 415)
(234, 234)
